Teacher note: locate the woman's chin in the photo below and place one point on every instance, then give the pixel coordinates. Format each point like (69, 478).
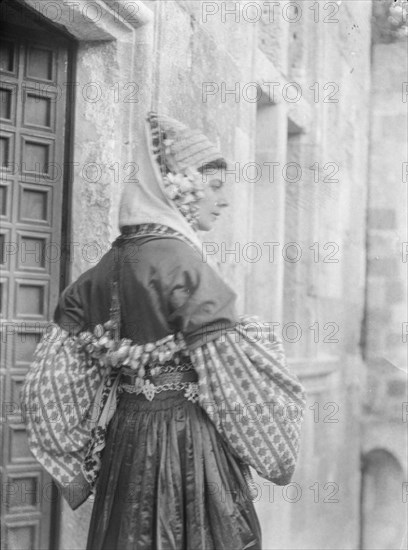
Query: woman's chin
(203, 226)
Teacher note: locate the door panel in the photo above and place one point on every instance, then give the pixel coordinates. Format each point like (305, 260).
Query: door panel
(33, 88)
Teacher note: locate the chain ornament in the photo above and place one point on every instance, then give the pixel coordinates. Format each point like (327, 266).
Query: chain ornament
(185, 191)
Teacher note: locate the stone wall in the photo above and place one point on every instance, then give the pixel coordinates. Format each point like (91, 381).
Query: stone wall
(384, 431)
(387, 216)
(327, 53)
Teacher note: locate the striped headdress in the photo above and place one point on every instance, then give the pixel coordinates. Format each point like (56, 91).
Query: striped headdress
(177, 147)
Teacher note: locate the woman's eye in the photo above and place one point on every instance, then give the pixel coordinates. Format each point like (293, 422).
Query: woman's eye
(215, 185)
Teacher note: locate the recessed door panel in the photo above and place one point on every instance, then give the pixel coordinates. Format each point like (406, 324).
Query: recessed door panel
(33, 69)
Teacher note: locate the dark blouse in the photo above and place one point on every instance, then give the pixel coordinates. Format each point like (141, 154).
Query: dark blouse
(165, 287)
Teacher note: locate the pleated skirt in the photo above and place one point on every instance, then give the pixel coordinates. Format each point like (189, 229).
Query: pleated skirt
(169, 482)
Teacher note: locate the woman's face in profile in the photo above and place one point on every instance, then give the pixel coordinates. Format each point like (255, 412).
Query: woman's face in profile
(209, 207)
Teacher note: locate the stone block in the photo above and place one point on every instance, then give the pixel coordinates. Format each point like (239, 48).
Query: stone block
(383, 267)
(397, 388)
(382, 218)
(396, 292)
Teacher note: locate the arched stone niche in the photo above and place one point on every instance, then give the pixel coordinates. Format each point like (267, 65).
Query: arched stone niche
(383, 511)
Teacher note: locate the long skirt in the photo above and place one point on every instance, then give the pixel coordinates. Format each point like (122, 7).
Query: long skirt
(169, 482)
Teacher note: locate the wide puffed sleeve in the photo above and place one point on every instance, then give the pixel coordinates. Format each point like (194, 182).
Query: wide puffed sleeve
(255, 401)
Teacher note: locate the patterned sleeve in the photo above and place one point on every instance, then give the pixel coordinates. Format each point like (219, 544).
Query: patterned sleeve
(58, 397)
(252, 397)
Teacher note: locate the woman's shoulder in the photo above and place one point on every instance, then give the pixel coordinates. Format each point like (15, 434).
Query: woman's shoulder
(83, 280)
(165, 251)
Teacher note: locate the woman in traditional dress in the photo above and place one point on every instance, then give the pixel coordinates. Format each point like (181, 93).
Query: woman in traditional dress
(168, 478)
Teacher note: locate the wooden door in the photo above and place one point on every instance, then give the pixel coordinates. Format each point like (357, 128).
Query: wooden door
(34, 78)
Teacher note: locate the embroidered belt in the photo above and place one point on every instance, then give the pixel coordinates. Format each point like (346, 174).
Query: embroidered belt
(162, 378)
(151, 385)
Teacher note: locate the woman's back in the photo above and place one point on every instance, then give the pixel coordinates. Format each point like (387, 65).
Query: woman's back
(164, 287)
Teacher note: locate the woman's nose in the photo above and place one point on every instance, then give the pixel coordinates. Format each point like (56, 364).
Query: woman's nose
(222, 200)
